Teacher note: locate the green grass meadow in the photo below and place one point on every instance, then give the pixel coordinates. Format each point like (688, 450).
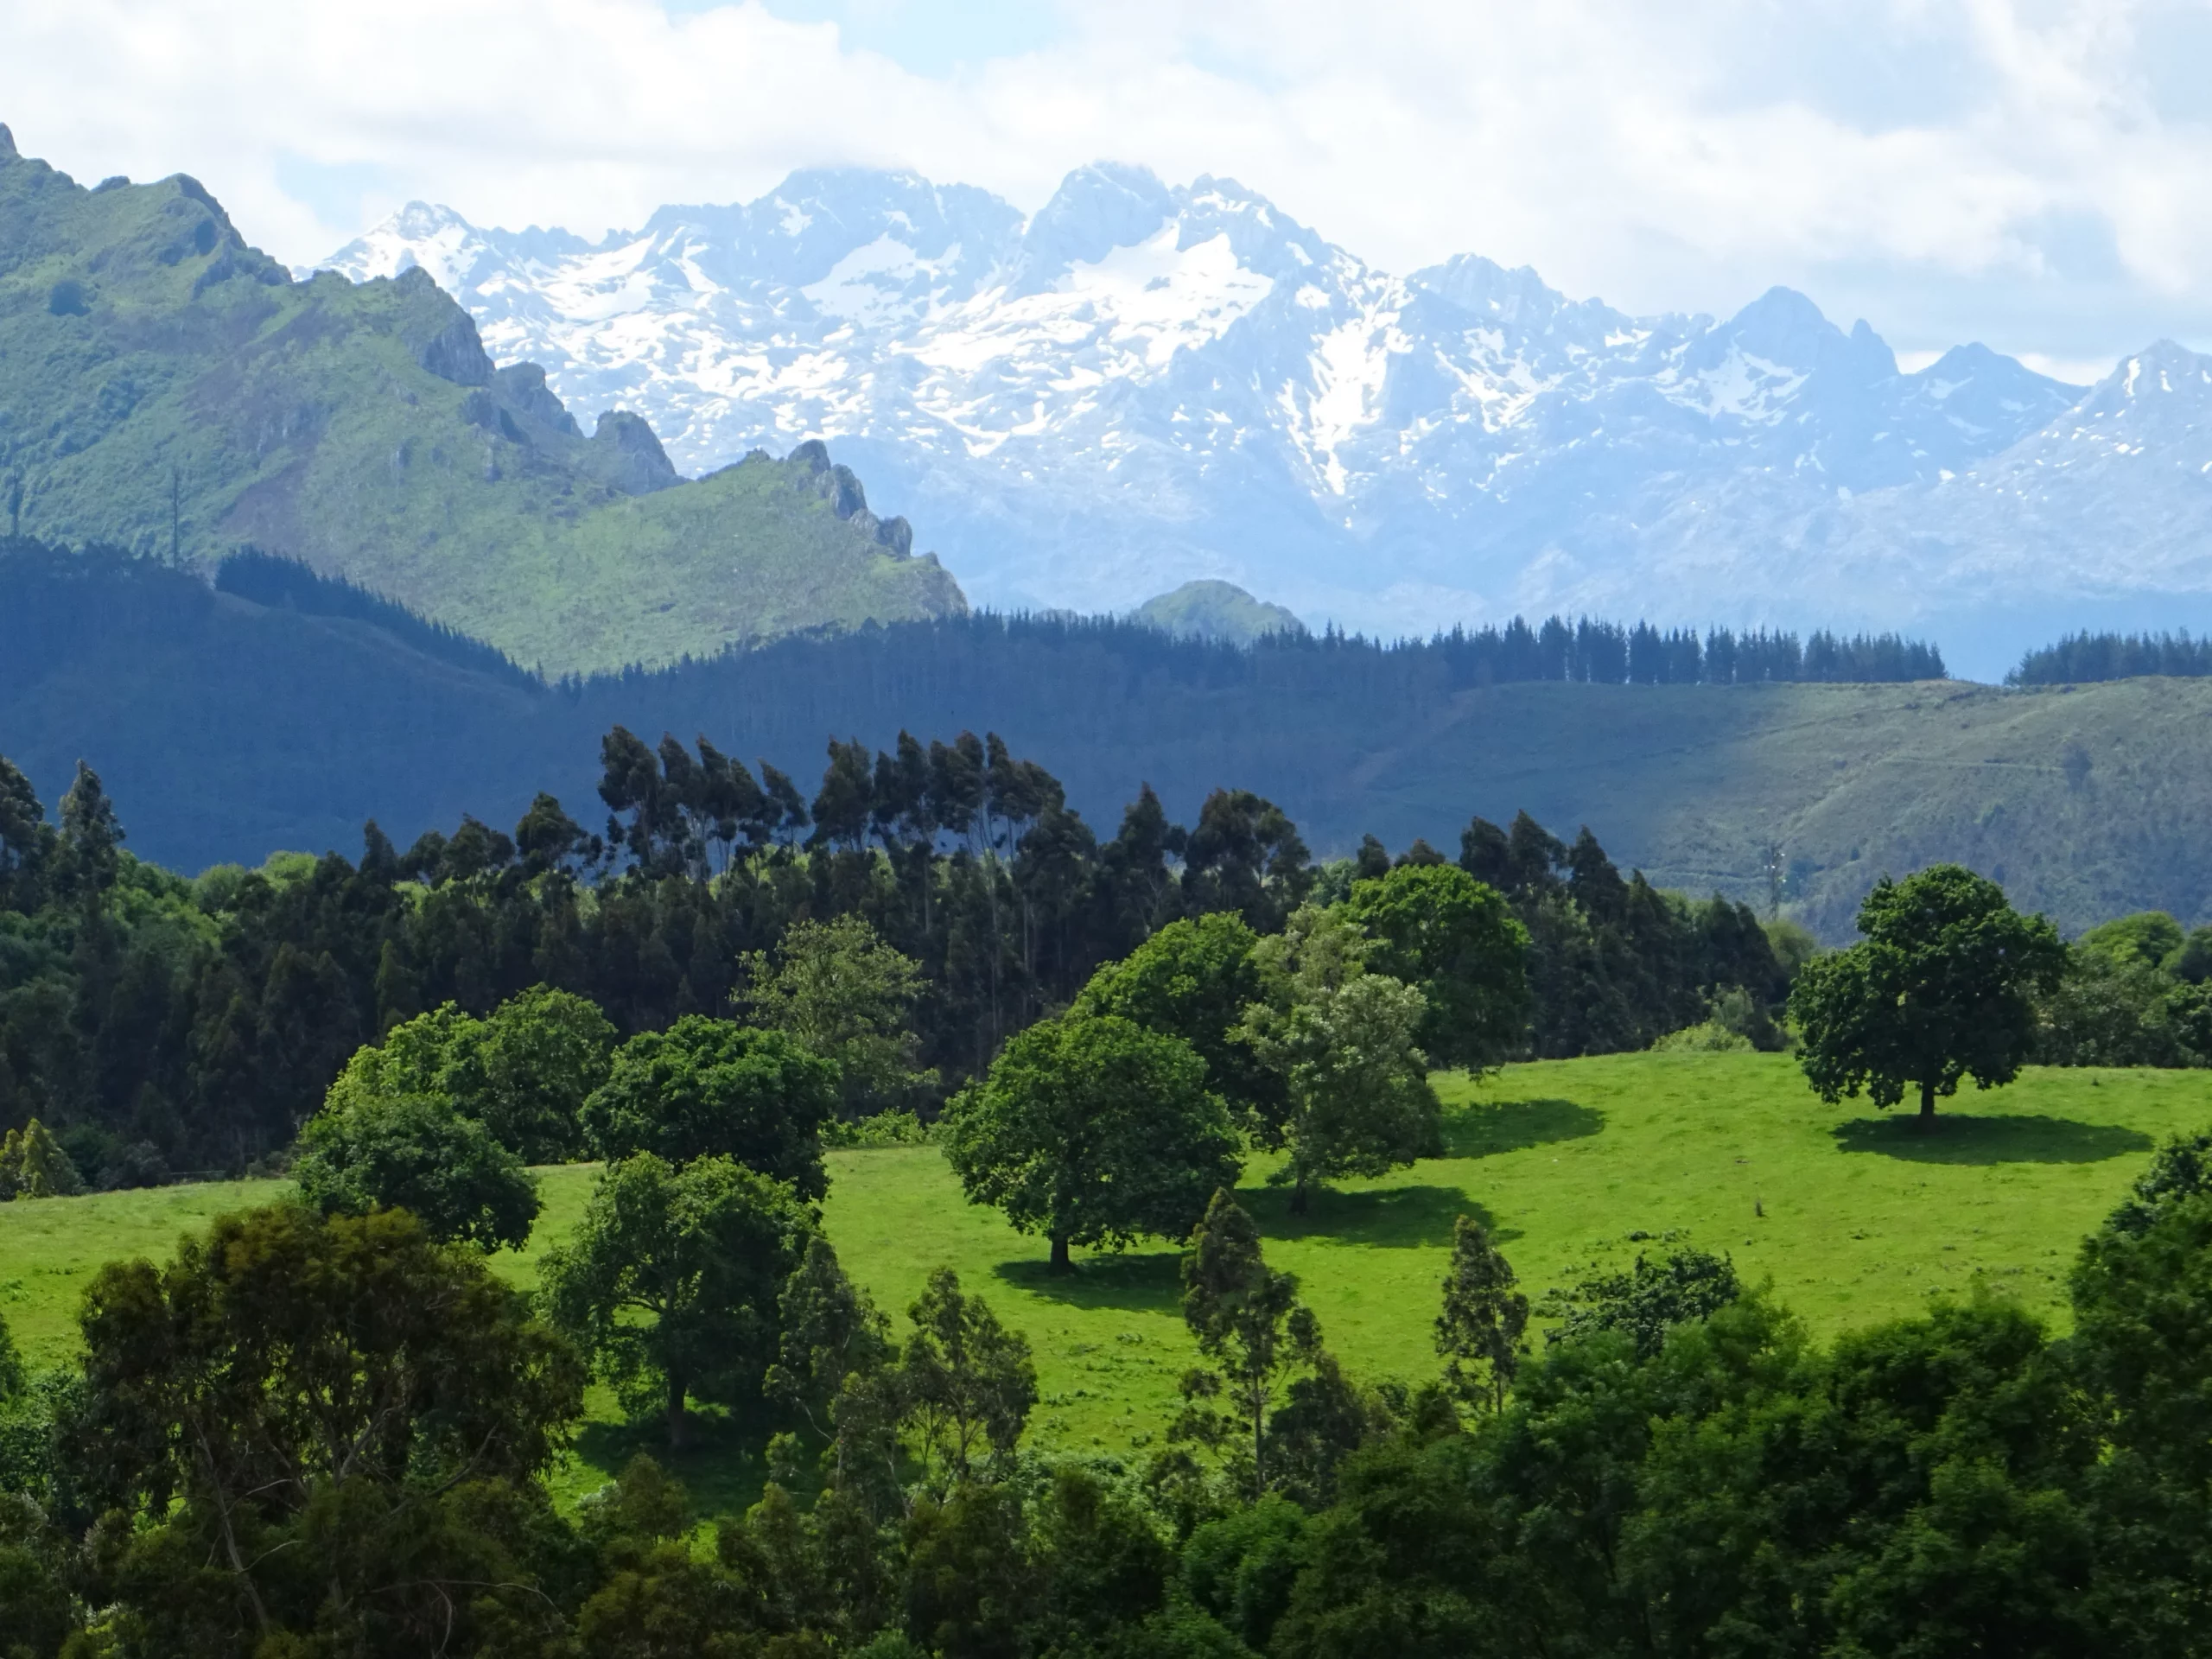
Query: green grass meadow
(1852, 1216)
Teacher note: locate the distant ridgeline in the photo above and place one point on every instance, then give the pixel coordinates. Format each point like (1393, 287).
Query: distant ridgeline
(2085, 658)
(1602, 653)
(1605, 653)
(280, 583)
(276, 709)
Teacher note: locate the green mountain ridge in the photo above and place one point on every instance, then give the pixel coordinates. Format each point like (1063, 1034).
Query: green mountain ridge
(167, 388)
(1218, 611)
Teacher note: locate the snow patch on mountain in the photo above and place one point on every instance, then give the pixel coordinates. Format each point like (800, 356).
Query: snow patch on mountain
(1142, 384)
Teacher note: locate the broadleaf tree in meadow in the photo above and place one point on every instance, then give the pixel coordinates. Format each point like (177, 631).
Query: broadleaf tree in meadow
(1344, 1040)
(1194, 979)
(1091, 1129)
(1942, 988)
(1438, 928)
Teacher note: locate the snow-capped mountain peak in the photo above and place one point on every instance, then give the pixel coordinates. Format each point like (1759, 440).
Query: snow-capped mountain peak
(1144, 383)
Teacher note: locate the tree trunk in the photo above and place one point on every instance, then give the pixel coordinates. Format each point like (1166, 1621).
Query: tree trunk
(676, 1392)
(1060, 1262)
(1927, 1108)
(1297, 1196)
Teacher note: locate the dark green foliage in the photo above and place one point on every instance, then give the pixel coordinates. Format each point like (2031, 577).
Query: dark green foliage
(2083, 659)
(711, 1089)
(40, 1615)
(414, 1153)
(537, 1058)
(1648, 1301)
(1940, 989)
(1447, 934)
(671, 1280)
(1194, 979)
(1256, 1336)
(1246, 855)
(11, 1364)
(1239, 1569)
(319, 1427)
(2133, 993)
(966, 1383)
(1480, 1331)
(1614, 964)
(2181, 1169)
(1091, 1129)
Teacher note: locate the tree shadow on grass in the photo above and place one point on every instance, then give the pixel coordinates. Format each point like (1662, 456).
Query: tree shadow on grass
(1150, 1280)
(1485, 1130)
(722, 1465)
(1959, 1138)
(1396, 1218)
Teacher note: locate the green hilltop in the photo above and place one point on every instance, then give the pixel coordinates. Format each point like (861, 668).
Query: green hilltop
(1218, 611)
(166, 388)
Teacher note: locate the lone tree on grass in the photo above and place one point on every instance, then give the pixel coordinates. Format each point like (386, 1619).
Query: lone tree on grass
(1091, 1129)
(1940, 988)
(1479, 1333)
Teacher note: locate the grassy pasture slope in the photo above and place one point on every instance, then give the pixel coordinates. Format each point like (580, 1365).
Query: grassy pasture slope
(1864, 1220)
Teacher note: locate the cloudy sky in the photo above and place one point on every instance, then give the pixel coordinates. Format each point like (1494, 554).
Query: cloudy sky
(2029, 172)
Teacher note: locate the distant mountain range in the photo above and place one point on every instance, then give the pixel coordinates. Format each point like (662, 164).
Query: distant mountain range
(167, 389)
(1142, 384)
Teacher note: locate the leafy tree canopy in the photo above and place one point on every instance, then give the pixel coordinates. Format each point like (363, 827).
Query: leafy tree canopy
(1194, 979)
(1942, 988)
(1344, 1041)
(416, 1153)
(1458, 941)
(340, 1422)
(838, 988)
(671, 1280)
(1091, 1129)
(709, 1088)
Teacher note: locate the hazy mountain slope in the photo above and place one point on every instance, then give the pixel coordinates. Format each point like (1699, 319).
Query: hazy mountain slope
(1218, 611)
(166, 388)
(1142, 385)
(225, 729)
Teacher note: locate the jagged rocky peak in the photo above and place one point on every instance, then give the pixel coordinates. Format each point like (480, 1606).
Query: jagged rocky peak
(638, 466)
(1099, 208)
(1785, 328)
(8, 151)
(2160, 394)
(1147, 380)
(841, 487)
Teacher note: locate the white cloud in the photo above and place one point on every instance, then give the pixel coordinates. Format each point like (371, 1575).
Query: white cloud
(2029, 173)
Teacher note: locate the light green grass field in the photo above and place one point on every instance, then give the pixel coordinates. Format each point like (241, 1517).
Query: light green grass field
(1863, 1219)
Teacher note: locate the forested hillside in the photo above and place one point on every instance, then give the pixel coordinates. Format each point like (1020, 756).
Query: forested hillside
(168, 388)
(231, 726)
